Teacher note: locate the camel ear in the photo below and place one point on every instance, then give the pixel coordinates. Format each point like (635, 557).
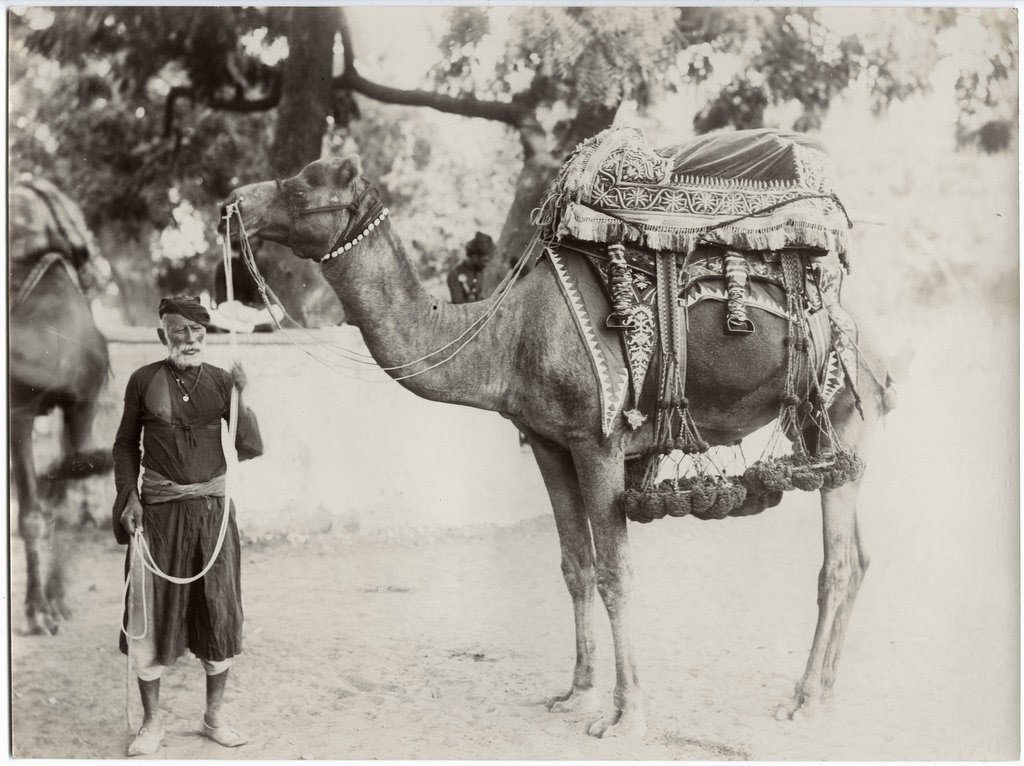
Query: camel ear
(348, 170)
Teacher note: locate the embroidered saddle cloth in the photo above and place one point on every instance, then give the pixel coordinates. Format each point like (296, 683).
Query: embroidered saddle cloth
(621, 360)
(749, 190)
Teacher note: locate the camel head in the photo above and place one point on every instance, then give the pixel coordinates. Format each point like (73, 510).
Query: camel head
(310, 212)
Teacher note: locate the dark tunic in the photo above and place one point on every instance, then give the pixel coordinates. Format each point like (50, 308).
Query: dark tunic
(464, 283)
(181, 440)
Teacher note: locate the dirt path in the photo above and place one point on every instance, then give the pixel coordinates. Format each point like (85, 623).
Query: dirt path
(443, 645)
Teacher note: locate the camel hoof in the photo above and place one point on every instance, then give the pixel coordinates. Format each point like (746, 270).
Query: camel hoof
(41, 625)
(802, 707)
(575, 701)
(619, 724)
(61, 610)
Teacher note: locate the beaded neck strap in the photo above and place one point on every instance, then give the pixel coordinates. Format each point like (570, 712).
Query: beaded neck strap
(345, 246)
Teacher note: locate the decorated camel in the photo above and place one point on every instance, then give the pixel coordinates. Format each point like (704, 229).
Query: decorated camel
(529, 354)
(58, 359)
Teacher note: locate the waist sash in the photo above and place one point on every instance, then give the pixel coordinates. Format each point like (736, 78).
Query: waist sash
(157, 488)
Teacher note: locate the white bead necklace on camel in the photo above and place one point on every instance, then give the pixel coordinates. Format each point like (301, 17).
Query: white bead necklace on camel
(358, 238)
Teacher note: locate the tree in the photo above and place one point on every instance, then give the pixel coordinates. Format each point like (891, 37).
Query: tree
(168, 105)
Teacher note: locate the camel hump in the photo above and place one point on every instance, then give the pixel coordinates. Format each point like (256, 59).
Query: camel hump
(750, 190)
(43, 219)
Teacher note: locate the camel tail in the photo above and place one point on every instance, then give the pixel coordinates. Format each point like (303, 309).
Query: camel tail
(890, 395)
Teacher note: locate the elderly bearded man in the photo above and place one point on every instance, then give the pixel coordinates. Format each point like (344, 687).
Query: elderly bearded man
(175, 408)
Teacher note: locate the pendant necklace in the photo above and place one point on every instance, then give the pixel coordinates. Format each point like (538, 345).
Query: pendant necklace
(185, 393)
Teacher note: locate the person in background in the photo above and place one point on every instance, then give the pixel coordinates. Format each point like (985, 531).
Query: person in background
(173, 410)
(465, 278)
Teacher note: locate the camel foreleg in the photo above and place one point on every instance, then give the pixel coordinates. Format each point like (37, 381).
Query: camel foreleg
(31, 523)
(577, 563)
(55, 592)
(600, 474)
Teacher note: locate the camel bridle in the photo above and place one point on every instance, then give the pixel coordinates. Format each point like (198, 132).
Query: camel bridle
(295, 212)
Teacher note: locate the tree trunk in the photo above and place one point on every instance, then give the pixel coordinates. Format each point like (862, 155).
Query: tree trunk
(306, 101)
(125, 247)
(537, 173)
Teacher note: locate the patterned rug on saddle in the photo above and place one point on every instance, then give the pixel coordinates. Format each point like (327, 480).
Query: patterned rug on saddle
(748, 190)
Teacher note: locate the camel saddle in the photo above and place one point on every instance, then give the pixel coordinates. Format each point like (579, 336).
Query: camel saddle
(636, 235)
(622, 358)
(748, 190)
(45, 227)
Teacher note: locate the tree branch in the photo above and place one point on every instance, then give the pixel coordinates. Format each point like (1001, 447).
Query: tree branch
(510, 112)
(516, 113)
(236, 104)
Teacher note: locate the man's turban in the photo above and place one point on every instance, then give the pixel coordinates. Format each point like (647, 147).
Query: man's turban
(185, 305)
(481, 243)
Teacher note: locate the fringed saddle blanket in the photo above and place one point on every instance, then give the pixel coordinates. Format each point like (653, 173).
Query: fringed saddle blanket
(42, 220)
(621, 359)
(749, 190)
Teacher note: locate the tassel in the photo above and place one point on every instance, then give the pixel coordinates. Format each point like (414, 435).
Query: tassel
(621, 286)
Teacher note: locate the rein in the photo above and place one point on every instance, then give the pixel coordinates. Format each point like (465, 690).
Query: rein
(373, 218)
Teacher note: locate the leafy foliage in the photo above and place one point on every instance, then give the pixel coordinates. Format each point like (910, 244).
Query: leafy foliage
(91, 90)
(441, 193)
(798, 58)
(565, 55)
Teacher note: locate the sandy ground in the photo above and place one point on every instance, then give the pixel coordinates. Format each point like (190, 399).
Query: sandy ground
(443, 643)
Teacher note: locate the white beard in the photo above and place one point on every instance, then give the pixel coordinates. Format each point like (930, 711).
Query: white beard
(179, 359)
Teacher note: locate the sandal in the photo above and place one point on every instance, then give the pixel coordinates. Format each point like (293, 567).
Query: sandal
(223, 735)
(147, 741)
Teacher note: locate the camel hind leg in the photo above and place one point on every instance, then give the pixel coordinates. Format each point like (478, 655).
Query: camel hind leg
(839, 581)
(574, 538)
(845, 561)
(859, 567)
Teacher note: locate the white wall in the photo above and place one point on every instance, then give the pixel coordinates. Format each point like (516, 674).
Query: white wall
(346, 447)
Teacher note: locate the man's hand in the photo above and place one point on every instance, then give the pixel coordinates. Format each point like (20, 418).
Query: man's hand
(131, 516)
(238, 376)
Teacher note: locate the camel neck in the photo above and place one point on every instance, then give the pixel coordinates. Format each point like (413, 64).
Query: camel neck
(403, 326)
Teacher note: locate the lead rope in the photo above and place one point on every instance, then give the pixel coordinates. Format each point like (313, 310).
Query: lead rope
(139, 548)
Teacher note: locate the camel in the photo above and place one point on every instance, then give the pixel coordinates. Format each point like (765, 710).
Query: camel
(58, 359)
(529, 364)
